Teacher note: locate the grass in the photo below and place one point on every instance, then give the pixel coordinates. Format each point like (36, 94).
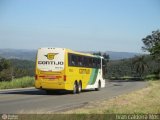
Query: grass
(18, 83)
(143, 101)
(151, 77)
(125, 78)
(145, 78)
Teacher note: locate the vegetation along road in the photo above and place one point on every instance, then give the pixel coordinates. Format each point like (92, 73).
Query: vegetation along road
(30, 100)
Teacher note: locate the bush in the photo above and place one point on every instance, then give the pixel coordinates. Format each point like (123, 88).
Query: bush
(5, 70)
(5, 75)
(18, 83)
(152, 77)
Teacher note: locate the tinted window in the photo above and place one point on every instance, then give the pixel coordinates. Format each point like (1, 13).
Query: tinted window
(83, 61)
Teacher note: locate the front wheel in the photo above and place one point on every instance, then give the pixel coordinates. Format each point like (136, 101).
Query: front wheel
(99, 86)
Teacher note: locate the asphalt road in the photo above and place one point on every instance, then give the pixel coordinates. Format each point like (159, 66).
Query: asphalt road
(31, 100)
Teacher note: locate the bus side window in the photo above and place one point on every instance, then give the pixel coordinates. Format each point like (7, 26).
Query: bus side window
(76, 60)
(82, 61)
(90, 62)
(69, 59)
(95, 62)
(73, 60)
(85, 61)
(79, 60)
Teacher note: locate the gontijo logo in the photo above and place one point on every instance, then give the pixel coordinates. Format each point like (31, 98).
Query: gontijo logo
(50, 56)
(52, 61)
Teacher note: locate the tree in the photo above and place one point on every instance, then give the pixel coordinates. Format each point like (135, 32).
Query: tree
(5, 75)
(97, 53)
(5, 70)
(106, 57)
(105, 64)
(4, 64)
(140, 65)
(152, 44)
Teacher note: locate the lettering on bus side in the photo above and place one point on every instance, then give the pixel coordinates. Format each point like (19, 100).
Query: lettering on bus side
(50, 62)
(84, 71)
(70, 70)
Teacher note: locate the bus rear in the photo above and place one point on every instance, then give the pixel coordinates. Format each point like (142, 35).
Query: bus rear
(50, 72)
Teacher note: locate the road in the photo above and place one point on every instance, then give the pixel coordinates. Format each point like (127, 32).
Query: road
(31, 100)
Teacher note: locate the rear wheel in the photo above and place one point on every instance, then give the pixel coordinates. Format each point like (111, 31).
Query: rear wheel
(79, 87)
(99, 86)
(75, 88)
(49, 92)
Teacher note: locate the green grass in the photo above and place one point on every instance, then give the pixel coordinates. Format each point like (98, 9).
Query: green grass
(151, 77)
(125, 78)
(18, 83)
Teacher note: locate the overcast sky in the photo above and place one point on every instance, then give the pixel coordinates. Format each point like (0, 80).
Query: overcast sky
(83, 25)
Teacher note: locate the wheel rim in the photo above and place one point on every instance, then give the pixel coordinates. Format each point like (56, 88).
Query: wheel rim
(74, 88)
(80, 87)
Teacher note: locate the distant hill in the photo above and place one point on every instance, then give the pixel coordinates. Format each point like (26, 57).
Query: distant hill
(117, 55)
(31, 54)
(18, 54)
(121, 55)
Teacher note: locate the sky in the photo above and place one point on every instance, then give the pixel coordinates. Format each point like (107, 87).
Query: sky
(83, 25)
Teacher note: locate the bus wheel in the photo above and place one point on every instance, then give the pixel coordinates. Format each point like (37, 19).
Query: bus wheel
(79, 87)
(75, 88)
(99, 86)
(49, 92)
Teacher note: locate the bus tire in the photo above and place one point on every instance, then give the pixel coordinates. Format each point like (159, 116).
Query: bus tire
(75, 88)
(99, 86)
(79, 87)
(49, 92)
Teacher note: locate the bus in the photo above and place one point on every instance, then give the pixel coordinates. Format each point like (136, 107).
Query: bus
(64, 69)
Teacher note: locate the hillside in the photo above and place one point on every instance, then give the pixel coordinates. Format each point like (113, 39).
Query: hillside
(18, 54)
(31, 54)
(121, 55)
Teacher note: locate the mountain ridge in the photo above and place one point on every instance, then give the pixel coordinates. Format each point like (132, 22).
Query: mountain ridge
(30, 54)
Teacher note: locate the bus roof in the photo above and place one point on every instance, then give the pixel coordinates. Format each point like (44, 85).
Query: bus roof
(74, 52)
